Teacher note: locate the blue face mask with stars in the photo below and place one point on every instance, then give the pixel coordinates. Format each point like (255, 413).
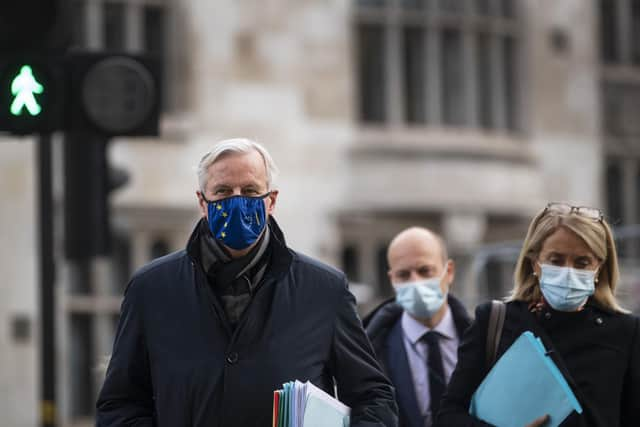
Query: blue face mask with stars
(237, 221)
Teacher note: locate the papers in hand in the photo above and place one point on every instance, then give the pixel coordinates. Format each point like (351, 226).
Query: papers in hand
(523, 385)
(300, 404)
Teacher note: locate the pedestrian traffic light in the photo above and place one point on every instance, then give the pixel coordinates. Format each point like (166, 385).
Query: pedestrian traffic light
(105, 93)
(32, 93)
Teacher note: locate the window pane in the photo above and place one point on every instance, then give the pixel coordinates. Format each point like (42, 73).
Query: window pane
(635, 32)
(114, 26)
(154, 30)
(451, 6)
(159, 248)
(350, 263)
(452, 78)
(495, 274)
(81, 365)
(121, 262)
(483, 7)
(608, 45)
(371, 72)
(621, 103)
(415, 4)
(615, 206)
(637, 195)
(80, 280)
(510, 89)
(371, 3)
(384, 286)
(485, 93)
(507, 8)
(414, 75)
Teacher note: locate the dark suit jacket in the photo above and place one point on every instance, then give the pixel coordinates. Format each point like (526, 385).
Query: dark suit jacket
(384, 328)
(597, 350)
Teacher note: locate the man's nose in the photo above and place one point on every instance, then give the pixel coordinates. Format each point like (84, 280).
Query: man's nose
(415, 276)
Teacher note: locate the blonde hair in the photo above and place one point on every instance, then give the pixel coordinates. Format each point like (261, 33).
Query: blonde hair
(595, 233)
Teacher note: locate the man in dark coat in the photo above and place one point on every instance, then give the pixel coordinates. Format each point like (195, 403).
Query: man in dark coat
(416, 335)
(208, 333)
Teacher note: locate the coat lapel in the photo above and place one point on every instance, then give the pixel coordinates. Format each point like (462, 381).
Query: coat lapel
(400, 372)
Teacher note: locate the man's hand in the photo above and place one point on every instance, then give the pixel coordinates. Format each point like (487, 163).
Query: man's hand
(538, 422)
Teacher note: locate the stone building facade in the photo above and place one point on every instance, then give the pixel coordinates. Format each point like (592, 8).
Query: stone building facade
(465, 116)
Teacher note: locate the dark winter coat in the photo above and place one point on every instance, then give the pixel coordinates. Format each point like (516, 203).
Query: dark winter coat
(597, 350)
(177, 362)
(383, 326)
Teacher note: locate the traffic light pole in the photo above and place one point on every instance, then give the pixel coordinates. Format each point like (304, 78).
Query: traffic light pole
(47, 280)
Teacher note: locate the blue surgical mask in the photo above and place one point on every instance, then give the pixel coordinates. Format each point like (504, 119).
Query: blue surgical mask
(423, 298)
(566, 288)
(237, 221)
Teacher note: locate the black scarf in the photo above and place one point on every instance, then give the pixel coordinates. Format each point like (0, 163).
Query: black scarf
(234, 280)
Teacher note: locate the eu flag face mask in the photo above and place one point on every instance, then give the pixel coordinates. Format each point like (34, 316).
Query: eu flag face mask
(423, 298)
(566, 288)
(237, 221)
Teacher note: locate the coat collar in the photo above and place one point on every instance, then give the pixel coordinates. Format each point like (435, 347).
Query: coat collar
(380, 321)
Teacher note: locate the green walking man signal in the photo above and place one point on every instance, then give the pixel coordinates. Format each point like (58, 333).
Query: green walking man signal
(24, 87)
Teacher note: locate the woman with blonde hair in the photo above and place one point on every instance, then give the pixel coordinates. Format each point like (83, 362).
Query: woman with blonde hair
(564, 292)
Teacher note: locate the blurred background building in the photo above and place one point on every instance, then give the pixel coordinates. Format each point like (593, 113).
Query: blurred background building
(464, 116)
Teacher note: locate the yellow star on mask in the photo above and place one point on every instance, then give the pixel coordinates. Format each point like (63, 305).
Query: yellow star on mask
(224, 214)
(225, 224)
(218, 207)
(223, 234)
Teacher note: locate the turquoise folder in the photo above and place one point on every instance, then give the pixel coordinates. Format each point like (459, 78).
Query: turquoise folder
(523, 385)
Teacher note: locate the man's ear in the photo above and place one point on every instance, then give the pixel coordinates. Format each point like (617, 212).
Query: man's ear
(271, 201)
(202, 204)
(451, 271)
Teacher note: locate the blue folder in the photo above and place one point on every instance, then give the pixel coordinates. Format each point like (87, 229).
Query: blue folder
(523, 385)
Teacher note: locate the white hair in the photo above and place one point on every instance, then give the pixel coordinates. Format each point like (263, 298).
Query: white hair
(236, 145)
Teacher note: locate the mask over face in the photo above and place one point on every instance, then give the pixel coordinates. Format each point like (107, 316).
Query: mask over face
(566, 288)
(423, 298)
(237, 221)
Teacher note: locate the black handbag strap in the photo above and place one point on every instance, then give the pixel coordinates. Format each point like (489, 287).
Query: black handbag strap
(494, 331)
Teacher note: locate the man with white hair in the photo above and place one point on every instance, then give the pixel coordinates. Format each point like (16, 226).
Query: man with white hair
(208, 333)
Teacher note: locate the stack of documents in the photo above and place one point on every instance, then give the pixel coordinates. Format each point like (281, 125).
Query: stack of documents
(523, 385)
(305, 405)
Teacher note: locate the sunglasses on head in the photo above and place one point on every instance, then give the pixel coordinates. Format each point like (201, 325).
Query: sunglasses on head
(561, 208)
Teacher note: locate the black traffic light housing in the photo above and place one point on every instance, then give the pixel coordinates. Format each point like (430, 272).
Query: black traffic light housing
(110, 94)
(114, 94)
(89, 181)
(27, 25)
